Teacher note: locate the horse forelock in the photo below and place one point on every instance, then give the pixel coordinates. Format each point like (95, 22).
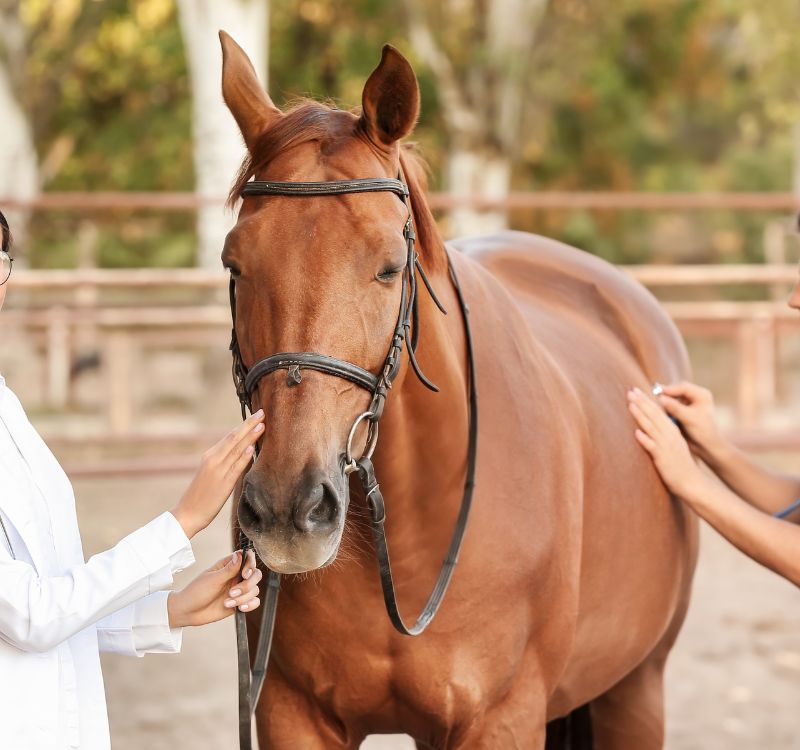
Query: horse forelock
(309, 120)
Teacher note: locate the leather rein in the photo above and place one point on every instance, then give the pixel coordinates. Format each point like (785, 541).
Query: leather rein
(406, 330)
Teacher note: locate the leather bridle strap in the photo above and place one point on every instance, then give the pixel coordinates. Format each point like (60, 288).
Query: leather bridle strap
(294, 362)
(374, 497)
(332, 187)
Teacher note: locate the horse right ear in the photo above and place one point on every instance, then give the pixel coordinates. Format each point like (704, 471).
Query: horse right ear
(249, 104)
(390, 101)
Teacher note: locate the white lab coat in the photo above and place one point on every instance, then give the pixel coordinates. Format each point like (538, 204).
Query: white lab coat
(57, 610)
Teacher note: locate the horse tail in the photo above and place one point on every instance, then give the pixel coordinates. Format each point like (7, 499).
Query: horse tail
(572, 732)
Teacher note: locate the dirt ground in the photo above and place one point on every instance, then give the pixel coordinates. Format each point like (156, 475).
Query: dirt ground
(733, 681)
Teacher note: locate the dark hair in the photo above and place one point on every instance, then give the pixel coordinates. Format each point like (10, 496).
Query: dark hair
(5, 246)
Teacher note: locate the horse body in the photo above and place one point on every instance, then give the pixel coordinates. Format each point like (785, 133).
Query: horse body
(574, 575)
(578, 535)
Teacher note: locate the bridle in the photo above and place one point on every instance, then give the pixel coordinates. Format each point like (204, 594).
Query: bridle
(378, 385)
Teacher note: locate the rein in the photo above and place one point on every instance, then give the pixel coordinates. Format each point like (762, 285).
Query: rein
(246, 381)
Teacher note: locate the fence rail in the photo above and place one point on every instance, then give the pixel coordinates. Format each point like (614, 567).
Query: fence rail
(594, 200)
(121, 330)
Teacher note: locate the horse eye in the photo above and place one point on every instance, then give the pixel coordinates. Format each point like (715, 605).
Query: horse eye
(389, 273)
(234, 270)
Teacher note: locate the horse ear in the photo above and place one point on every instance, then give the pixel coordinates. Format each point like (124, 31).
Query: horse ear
(390, 101)
(249, 104)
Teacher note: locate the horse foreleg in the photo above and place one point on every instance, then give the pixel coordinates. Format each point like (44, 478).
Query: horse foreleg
(631, 714)
(286, 720)
(518, 723)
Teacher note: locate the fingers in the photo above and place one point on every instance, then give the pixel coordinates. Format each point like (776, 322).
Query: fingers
(649, 408)
(691, 392)
(249, 565)
(242, 595)
(246, 434)
(242, 435)
(644, 422)
(645, 441)
(239, 462)
(228, 565)
(673, 407)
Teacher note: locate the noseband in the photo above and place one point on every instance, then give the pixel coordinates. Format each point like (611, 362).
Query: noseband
(378, 385)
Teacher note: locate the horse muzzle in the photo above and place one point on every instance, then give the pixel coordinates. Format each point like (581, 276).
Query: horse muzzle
(296, 531)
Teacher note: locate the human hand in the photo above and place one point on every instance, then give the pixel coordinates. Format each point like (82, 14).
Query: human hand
(663, 440)
(220, 467)
(216, 593)
(693, 406)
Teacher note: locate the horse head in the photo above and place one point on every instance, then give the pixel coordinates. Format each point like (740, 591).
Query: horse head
(316, 274)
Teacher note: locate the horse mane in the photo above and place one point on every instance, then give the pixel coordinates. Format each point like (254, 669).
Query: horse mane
(308, 120)
(429, 240)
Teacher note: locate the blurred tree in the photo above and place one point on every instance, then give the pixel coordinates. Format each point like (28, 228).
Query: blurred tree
(499, 67)
(19, 167)
(218, 148)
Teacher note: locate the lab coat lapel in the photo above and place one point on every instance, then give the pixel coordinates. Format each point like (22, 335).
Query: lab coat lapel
(17, 505)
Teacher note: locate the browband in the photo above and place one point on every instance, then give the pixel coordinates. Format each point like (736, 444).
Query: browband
(334, 187)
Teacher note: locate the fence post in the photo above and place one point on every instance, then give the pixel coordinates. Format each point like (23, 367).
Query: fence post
(757, 375)
(119, 359)
(58, 358)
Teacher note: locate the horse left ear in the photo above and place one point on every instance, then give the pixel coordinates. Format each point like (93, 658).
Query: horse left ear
(390, 102)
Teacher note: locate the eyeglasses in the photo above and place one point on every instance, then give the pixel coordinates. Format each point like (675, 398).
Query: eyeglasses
(6, 262)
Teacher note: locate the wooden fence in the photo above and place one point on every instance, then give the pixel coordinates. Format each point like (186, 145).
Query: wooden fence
(122, 330)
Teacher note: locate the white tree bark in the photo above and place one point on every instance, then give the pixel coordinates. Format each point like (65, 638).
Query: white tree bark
(218, 146)
(472, 174)
(483, 97)
(796, 160)
(19, 163)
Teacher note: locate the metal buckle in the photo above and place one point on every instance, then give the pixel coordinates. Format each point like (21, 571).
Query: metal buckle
(372, 440)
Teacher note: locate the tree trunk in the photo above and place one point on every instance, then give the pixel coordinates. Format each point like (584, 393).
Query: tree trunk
(19, 163)
(472, 173)
(218, 148)
(796, 155)
(483, 94)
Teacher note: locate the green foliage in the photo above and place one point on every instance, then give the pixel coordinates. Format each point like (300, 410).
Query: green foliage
(654, 95)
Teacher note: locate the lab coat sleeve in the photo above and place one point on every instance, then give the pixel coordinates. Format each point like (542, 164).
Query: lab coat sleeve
(140, 628)
(37, 613)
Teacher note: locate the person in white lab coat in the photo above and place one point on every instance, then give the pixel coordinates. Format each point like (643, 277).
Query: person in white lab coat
(57, 611)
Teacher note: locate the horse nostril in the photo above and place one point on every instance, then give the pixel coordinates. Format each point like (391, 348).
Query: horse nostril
(248, 518)
(255, 508)
(317, 510)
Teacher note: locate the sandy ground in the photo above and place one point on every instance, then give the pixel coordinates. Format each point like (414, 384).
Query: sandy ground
(733, 681)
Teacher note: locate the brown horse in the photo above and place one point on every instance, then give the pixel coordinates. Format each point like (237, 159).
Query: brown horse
(575, 573)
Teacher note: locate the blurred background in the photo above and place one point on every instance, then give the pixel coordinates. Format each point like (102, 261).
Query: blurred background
(662, 135)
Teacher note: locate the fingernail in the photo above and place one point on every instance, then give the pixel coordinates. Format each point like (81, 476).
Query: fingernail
(637, 392)
(244, 607)
(248, 573)
(258, 427)
(230, 603)
(236, 592)
(249, 450)
(235, 556)
(259, 413)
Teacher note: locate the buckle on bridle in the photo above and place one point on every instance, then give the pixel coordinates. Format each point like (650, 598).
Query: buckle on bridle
(350, 464)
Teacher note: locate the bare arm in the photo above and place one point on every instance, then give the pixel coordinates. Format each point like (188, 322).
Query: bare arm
(693, 407)
(762, 488)
(767, 540)
(772, 542)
